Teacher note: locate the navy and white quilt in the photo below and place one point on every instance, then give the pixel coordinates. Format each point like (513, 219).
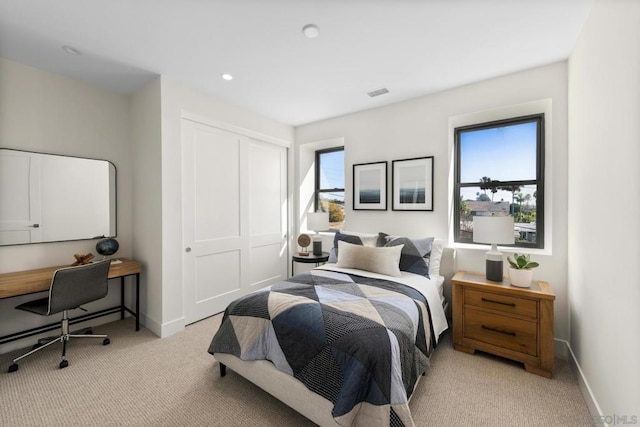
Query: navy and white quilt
(359, 342)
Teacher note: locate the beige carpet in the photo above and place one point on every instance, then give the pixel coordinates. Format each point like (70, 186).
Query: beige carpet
(141, 380)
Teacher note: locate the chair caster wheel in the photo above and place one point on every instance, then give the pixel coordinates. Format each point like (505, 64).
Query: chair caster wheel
(106, 341)
(13, 367)
(33, 347)
(64, 364)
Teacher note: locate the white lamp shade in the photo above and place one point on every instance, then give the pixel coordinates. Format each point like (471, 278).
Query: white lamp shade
(493, 229)
(318, 221)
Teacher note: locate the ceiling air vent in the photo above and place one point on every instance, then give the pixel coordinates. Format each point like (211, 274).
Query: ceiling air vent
(378, 92)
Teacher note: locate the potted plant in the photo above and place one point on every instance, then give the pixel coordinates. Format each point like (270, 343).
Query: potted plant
(521, 270)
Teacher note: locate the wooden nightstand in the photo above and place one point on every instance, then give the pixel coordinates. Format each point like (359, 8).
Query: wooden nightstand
(497, 318)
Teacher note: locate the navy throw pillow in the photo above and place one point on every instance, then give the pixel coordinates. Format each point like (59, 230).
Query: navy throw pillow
(349, 238)
(415, 253)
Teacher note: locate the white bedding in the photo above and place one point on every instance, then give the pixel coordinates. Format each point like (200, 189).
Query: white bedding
(430, 288)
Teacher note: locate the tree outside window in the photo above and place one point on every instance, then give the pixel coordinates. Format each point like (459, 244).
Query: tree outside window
(329, 193)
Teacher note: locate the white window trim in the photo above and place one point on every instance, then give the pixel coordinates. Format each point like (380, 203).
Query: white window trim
(535, 107)
(306, 178)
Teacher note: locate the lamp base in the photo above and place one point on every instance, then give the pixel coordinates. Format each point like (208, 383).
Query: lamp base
(494, 270)
(317, 245)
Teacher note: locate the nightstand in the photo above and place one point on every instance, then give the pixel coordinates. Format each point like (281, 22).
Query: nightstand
(309, 259)
(497, 318)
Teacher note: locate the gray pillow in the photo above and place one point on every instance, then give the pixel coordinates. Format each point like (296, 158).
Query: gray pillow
(415, 252)
(361, 239)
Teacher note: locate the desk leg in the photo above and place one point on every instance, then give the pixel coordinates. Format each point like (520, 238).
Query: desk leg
(137, 301)
(121, 297)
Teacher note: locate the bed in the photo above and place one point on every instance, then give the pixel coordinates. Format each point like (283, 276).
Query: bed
(346, 343)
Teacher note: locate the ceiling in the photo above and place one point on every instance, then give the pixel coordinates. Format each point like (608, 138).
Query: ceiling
(410, 47)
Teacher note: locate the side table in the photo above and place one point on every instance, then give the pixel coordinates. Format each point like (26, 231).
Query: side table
(497, 318)
(309, 259)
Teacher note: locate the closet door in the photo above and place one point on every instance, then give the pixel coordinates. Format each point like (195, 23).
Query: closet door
(234, 217)
(267, 190)
(20, 205)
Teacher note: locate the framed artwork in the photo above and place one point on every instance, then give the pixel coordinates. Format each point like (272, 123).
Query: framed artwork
(370, 186)
(413, 184)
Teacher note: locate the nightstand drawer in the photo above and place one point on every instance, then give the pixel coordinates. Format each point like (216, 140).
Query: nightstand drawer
(506, 332)
(500, 302)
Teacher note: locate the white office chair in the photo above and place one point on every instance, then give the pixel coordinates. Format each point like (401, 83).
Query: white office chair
(70, 288)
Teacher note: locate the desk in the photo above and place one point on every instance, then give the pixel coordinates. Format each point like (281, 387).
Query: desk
(30, 281)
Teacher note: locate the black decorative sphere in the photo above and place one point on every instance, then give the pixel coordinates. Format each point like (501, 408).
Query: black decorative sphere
(107, 247)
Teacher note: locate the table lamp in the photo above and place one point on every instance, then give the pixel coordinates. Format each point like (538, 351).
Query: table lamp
(494, 230)
(317, 221)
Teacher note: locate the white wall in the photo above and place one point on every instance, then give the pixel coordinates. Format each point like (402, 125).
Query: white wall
(304, 171)
(420, 127)
(44, 112)
(604, 190)
(178, 100)
(147, 199)
(141, 135)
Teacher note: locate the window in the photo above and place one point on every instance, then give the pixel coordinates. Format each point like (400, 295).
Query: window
(329, 193)
(499, 169)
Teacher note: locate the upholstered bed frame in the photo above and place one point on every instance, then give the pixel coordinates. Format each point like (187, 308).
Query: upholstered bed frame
(292, 392)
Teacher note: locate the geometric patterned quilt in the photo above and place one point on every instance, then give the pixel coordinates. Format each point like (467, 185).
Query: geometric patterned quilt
(359, 342)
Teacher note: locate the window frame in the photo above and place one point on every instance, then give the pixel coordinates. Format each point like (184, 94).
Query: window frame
(317, 190)
(539, 182)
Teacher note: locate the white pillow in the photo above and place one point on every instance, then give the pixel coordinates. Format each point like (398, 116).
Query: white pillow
(436, 256)
(377, 260)
(367, 239)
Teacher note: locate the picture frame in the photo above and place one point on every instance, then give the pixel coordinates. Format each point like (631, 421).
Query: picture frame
(412, 183)
(370, 186)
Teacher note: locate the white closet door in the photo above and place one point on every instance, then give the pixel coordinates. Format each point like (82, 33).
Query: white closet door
(20, 212)
(234, 217)
(267, 213)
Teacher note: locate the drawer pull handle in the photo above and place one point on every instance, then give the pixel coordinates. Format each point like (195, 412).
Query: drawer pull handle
(510, 304)
(511, 334)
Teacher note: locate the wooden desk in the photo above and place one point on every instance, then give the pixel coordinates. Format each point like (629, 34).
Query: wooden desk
(38, 280)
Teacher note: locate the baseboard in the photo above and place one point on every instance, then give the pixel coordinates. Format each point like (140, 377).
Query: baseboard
(162, 330)
(561, 349)
(592, 404)
(171, 327)
(30, 340)
(150, 324)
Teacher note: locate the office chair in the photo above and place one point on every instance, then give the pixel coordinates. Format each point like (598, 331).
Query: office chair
(70, 288)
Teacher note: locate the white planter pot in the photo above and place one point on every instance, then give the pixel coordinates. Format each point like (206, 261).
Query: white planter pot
(520, 278)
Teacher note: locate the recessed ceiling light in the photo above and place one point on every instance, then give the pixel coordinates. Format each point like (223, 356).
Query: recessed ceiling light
(70, 50)
(311, 31)
(226, 76)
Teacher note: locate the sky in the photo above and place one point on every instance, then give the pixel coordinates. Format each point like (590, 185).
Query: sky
(332, 172)
(506, 153)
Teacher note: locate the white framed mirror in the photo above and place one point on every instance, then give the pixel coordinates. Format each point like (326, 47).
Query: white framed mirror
(54, 198)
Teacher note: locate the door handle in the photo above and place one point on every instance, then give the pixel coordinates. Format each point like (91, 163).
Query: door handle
(510, 304)
(187, 249)
(511, 334)
(34, 225)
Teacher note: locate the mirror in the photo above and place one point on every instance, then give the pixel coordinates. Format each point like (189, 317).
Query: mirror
(54, 198)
